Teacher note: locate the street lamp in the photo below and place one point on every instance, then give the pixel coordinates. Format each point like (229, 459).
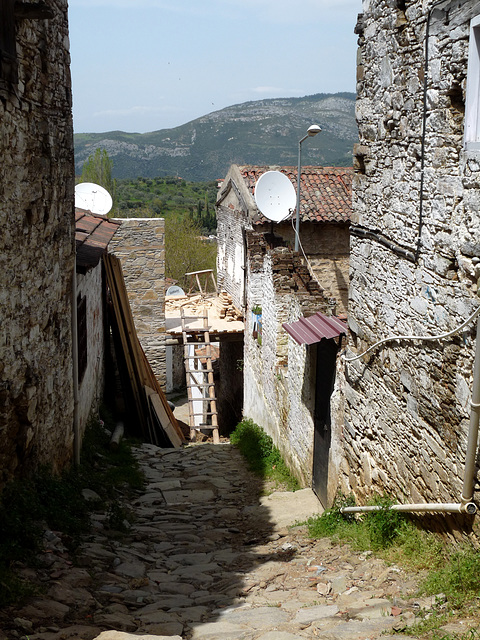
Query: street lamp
(312, 131)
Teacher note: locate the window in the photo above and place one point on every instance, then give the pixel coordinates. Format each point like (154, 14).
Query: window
(82, 336)
(472, 107)
(8, 50)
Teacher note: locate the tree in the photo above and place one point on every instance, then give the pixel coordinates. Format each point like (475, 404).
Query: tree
(98, 169)
(185, 250)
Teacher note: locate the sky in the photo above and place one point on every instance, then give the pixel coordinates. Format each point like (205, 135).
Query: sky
(145, 65)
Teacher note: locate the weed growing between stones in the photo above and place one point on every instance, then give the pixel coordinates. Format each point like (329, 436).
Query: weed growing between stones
(452, 572)
(29, 506)
(262, 456)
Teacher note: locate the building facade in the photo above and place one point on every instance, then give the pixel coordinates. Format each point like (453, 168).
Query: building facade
(37, 249)
(273, 285)
(415, 255)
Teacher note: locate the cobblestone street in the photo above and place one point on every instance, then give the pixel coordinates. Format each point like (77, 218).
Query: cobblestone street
(209, 558)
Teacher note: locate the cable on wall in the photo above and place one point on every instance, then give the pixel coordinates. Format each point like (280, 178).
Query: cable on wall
(442, 336)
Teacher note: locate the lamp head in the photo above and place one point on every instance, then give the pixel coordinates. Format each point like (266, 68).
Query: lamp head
(313, 130)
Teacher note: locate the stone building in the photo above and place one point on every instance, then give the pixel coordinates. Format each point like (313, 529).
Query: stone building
(37, 250)
(140, 246)
(415, 254)
(273, 285)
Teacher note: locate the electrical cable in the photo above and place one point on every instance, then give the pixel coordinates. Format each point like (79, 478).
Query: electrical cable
(428, 338)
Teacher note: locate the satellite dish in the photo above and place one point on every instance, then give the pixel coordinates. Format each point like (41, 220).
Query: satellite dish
(93, 197)
(175, 290)
(275, 195)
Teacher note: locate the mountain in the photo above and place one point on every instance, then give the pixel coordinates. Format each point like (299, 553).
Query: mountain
(262, 132)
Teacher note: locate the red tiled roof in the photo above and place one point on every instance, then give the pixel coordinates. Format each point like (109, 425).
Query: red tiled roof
(92, 235)
(325, 192)
(312, 329)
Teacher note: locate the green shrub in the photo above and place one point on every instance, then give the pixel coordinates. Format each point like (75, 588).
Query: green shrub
(371, 530)
(262, 456)
(384, 526)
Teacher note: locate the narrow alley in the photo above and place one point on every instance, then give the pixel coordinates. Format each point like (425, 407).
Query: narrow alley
(209, 558)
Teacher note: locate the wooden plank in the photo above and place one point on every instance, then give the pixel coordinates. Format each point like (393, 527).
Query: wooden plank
(141, 372)
(163, 419)
(115, 286)
(153, 383)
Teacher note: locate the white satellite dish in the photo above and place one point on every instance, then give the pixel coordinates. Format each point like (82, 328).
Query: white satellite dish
(93, 197)
(175, 291)
(275, 195)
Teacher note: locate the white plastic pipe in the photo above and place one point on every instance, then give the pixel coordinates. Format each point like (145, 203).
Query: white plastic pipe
(470, 508)
(471, 455)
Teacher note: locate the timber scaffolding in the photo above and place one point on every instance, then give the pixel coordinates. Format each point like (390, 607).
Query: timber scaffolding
(197, 321)
(224, 320)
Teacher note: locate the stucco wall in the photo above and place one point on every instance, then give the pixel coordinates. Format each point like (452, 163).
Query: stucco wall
(231, 259)
(407, 406)
(37, 250)
(140, 245)
(91, 386)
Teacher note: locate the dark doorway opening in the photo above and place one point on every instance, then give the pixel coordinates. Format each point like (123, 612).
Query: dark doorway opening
(327, 350)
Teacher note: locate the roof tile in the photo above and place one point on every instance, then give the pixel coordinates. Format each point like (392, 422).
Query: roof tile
(325, 192)
(92, 235)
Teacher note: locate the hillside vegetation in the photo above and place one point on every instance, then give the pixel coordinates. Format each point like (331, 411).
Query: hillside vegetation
(263, 132)
(168, 197)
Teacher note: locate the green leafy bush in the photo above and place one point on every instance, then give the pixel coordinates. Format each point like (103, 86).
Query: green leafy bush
(371, 530)
(262, 456)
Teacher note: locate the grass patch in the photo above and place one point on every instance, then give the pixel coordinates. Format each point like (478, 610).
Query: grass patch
(29, 505)
(262, 456)
(376, 530)
(451, 571)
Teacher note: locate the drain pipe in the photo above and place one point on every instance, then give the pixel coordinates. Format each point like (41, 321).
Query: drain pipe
(471, 455)
(466, 505)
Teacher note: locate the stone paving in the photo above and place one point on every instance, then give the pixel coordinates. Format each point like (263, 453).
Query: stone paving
(208, 558)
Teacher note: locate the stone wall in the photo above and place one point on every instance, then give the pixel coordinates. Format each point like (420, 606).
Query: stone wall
(36, 248)
(140, 245)
(414, 255)
(278, 377)
(328, 248)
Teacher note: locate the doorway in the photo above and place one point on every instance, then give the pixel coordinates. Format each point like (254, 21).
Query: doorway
(327, 350)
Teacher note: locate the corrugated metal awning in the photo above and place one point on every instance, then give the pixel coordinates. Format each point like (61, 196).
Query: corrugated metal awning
(314, 328)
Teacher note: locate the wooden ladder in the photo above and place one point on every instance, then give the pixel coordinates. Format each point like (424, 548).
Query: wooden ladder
(202, 402)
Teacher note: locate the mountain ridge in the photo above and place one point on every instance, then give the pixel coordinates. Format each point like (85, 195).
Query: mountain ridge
(261, 132)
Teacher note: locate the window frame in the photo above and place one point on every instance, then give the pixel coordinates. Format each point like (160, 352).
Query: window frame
(8, 46)
(472, 102)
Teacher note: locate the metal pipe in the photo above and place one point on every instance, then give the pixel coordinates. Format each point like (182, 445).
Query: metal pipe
(299, 171)
(471, 455)
(312, 131)
(470, 508)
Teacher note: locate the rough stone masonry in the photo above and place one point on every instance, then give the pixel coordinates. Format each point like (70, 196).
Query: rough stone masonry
(36, 240)
(415, 254)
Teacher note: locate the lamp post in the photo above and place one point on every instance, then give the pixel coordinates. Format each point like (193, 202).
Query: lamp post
(312, 131)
